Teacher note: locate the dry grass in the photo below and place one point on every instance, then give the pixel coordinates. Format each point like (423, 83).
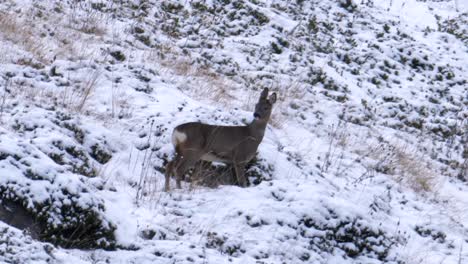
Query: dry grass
(85, 19)
(207, 174)
(338, 142)
(5, 92)
(68, 35)
(121, 103)
(203, 83)
(405, 164)
(464, 167)
(87, 89)
(76, 98)
(36, 40)
(414, 170)
(69, 49)
(288, 92)
(212, 88)
(21, 32)
(200, 83)
(29, 91)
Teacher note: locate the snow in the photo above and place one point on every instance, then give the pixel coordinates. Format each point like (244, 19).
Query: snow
(335, 188)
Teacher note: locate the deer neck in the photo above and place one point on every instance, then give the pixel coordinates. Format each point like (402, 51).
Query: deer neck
(257, 128)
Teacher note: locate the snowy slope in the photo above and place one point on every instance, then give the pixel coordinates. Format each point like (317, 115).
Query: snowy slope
(364, 160)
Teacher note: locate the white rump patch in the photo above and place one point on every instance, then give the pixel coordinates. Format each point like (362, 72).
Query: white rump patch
(178, 137)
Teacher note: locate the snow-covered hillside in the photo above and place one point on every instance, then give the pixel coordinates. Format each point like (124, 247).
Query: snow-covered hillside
(365, 158)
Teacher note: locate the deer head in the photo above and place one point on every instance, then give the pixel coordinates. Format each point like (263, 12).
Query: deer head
(264, 106)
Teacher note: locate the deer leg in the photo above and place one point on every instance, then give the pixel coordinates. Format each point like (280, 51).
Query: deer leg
(240, 174)
(185, 163)
(170, 170)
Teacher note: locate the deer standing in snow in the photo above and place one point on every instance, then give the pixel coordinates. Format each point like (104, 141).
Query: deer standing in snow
(235, 145)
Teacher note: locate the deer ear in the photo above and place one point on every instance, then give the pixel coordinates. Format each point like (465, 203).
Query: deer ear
(264, 94)
(272, 98)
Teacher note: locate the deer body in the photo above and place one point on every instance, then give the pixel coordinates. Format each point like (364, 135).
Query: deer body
(236, 145)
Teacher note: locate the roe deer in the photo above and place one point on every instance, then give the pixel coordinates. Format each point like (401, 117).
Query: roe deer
(236, 145)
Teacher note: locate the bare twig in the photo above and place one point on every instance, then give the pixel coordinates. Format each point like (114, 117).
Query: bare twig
(4, 95)
(87, 90)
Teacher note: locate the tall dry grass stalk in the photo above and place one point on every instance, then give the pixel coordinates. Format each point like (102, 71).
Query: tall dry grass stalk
(5, 92)
(76, 98)
(86, 91)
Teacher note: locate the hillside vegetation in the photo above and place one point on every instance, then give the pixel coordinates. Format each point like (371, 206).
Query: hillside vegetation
(365, 159)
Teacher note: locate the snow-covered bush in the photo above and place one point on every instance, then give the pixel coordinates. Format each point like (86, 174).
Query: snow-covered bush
(44, 172)
(16, 247)
(353, 237)
(63, 206)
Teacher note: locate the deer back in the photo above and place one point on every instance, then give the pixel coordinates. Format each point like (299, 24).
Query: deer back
(223, 143)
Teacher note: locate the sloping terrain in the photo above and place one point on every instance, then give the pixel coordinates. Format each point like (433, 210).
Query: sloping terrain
(364, 161)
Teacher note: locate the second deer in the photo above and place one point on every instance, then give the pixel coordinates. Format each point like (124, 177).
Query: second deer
(235, 145)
